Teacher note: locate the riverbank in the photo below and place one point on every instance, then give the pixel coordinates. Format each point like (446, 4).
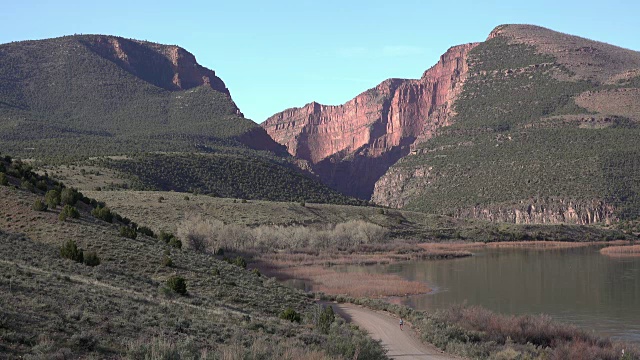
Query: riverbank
(318, 269)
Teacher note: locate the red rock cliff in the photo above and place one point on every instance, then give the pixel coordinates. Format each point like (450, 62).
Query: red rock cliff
(351, 146)
(167, 66)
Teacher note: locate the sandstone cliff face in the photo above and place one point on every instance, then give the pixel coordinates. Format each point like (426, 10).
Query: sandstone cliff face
(167, 66)
(172, 68)
(352, 145)
(553, 211)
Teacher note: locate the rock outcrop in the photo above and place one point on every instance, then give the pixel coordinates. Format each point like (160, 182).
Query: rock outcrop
(167, 66)
(352, 145)
(552, 211)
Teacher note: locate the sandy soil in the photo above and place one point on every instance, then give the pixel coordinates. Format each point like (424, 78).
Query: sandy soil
(382, 326)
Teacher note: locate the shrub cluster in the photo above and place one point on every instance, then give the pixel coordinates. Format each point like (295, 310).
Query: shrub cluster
(52, 198)
(128, 232)
(103, 213)
(68, 211)
(290, 314)
(249, 175)
(322, 317)
(177, 284)
(91, 259)
(145, 231)
(39, 205)
(203, 234)
(238, 261)
(170, 239)
(70, 250)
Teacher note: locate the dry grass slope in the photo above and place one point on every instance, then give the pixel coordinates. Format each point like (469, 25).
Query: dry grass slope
(123, 308)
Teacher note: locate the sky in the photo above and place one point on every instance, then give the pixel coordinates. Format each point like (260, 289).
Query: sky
(273, 55)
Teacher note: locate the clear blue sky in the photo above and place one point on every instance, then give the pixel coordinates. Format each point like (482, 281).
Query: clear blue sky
(279, 54)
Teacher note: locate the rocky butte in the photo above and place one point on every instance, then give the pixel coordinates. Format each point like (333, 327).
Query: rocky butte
(351, 146)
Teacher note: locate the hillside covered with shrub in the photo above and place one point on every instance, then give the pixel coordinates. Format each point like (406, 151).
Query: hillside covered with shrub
(68, 99)
(532, 139)
(246, 175)
(134, 293)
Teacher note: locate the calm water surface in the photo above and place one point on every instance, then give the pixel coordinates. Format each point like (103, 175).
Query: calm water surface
(578, 286)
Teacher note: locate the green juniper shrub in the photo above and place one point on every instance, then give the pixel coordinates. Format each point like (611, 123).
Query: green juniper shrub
(215, 272)
(177, 284)
(186, 198)
(42, 185)
(219, 252)
(52, 198)
(84, 199)
(39, 205)
(170, 239)
(70, 250)
(102, 213)
(69, 196)
(3, 169)
(91, 259)
(68, 211)
(326, 319)
(303, 204)
(160, 199)
(165, 236)
(27, 185)
(240, 261)
(166, 261)
(128, 232)
(146, 231)
(3, 179)
(290, 314)
(256, 272)
(176, 243)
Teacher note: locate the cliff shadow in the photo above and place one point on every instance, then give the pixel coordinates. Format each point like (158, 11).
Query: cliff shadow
(357, 174)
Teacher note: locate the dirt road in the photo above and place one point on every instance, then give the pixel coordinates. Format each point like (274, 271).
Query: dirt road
(381, 326)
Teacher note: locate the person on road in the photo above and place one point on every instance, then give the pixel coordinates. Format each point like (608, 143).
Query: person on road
(401, 323)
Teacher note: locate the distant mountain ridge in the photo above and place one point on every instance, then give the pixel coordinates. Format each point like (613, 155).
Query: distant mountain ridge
(69, 99)
(529, 126)
(106, 95)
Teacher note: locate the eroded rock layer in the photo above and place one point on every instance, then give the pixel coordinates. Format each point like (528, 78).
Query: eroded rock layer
(351, 146)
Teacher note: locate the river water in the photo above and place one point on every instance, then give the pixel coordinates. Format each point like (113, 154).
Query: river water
(578, 286)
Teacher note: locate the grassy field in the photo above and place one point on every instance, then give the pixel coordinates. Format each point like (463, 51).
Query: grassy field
(410, 226)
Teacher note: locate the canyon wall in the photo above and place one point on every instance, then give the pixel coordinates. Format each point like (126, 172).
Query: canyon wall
(351, 146)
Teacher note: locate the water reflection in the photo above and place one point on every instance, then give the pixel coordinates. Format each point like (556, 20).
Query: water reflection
(578, 286)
